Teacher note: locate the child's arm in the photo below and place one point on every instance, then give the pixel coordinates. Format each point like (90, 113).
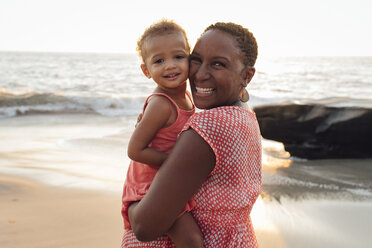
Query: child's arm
(155, 117)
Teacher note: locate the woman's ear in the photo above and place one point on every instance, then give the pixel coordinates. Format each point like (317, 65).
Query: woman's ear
(145, 70)
(248, 74)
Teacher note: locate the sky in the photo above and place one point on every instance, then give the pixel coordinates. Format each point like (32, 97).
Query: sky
(281, 27)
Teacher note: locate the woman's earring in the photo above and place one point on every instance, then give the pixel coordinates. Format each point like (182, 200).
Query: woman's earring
(244, 96)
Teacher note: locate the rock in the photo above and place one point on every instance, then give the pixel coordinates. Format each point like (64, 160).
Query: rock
(325, 129)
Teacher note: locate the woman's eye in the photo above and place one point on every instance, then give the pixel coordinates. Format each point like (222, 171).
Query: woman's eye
(195, 60)
(218, 64)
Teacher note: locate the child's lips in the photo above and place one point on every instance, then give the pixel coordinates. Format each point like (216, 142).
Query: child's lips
(172, 75)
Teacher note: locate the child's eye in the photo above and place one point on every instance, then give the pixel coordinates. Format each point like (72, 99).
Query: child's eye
(158, 61)
(180, 56)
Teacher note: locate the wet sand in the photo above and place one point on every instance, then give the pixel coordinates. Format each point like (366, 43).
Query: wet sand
(315, 203)
(34, 215)
(314, 223)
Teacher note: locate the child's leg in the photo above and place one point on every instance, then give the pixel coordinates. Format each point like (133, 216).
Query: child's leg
(185, 233)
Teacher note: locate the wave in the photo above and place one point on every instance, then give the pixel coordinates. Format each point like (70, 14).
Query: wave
(16, 104)
(51, 103)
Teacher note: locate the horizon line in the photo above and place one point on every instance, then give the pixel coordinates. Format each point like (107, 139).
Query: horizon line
(135, 53)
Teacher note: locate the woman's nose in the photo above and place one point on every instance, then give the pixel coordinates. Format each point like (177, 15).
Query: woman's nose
(202, 73)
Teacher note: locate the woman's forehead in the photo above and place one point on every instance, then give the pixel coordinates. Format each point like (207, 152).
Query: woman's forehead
(216, 41)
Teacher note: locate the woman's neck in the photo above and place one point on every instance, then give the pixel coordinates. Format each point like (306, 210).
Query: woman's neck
(241, 104)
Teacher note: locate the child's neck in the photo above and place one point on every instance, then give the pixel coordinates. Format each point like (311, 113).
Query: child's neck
(175, 93)
(178, 95)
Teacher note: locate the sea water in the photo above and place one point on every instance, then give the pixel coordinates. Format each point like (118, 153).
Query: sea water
(113, 84)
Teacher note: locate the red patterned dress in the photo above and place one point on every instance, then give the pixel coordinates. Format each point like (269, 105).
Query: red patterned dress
(226, 198)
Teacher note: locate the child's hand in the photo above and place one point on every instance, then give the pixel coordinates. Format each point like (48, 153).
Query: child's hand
(139, 119)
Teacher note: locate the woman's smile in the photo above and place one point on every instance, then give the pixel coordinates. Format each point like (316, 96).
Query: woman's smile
(204, 91)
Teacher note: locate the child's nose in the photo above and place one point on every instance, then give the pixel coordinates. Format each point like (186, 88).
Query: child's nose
(170, 65)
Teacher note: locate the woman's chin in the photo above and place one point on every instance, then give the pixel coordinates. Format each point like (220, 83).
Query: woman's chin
(203, 105)
(203, 101)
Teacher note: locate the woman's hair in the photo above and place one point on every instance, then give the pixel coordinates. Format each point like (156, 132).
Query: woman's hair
(247, 42)
(161, 27)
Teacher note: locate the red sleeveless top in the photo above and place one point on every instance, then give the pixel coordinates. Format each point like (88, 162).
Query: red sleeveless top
(139, 175)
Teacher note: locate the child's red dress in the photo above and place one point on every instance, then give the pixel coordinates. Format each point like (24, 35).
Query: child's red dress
(139, 175)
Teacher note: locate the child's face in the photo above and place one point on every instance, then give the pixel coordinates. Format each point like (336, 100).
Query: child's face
(166, 60)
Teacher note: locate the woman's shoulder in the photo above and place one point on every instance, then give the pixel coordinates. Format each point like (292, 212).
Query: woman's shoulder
(223, 112)
(225, 118)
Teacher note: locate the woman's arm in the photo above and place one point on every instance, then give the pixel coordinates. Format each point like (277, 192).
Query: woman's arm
(177, 180)
(156, 116)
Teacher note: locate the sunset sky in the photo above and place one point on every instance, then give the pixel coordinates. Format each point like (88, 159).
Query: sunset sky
(285, 27)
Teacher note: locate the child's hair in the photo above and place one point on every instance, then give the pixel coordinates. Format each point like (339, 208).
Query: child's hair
(247, 42)
(161, 27)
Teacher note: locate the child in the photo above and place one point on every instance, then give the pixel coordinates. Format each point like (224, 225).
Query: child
(164, 50)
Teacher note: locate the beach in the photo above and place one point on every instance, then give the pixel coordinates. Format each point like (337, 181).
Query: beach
(43, 206)
(61, 179)
(66, 119)
(36, 215)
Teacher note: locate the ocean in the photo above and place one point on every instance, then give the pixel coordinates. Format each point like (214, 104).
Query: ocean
(66, 119)
(113, 85)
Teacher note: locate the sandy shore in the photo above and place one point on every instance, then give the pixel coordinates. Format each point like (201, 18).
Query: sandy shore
(35, 215)
(46, 162)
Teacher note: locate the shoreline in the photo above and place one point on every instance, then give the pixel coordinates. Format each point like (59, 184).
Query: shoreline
(325, 179)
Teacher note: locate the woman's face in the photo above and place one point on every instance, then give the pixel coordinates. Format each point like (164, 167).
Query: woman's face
(216, 70)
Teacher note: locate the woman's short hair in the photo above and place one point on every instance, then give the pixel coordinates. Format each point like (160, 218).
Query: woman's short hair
(247, 42)
(161, 27)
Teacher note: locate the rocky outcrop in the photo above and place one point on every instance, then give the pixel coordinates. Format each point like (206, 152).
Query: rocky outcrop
(325, 129)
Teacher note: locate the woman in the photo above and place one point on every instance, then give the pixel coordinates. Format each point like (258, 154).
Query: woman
(217, 158)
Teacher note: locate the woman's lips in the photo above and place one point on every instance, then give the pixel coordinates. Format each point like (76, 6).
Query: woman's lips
(204, 91)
